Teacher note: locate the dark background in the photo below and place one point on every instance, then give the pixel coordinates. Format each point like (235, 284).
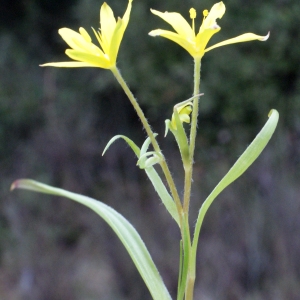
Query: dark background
(55, 123)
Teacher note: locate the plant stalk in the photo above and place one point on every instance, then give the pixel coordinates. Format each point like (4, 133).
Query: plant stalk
(151, 135)
(191, 275)
(193, 133)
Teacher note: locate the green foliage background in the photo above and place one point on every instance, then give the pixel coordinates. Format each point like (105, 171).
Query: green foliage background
(54, 124)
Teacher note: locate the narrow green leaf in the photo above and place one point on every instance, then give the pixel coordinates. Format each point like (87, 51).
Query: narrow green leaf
(143, 157)
(146, 145)
(180, 291)
(133, 146)
(152, 175)
(155, 179)
(167, 125)
(151, 161)
(241, 165)
(163, 193)
(185, 262)
(124, 230)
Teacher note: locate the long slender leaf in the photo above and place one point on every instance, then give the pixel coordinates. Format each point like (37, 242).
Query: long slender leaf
(185, 262)
(241, 165)
(124, 230)
(180, 290)
(163, 193)
(132, 145)
(155, 179)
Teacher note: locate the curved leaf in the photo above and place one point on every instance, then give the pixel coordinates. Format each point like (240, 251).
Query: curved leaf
(164, 195)
(241, 165)
(132, 145)
(146, 145)
(152, 175)
(124, 230)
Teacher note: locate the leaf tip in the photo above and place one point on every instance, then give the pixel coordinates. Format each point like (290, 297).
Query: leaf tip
(270, 112)
(14, 185)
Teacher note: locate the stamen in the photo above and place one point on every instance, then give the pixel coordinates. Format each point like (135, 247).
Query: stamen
(193, 15)
(205, 14)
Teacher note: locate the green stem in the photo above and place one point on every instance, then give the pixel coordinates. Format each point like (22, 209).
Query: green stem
(151, 135)
(189, 291)
(193, 133)
(189, 294)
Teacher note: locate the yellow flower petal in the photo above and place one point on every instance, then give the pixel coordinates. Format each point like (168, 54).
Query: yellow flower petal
(184, 112)
(202, 39)
(109, 37)
(209, 27)
(216, 12)
(70, 36)
(99, 38)
(119, 33)
(116, 39)
(246, 37)
(127, 14)
(85, 35)
(185, 35)
(185, 118)
(107, 25)
(68, 64)
(181, 41)
(186, 109)
(176, 20)
(100, 61)
(78, 42)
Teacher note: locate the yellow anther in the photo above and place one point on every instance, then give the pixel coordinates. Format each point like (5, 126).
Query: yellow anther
(205, 13)
(193, 13)
(193, 16)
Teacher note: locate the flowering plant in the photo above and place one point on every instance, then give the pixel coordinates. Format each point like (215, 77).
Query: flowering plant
(84, 53)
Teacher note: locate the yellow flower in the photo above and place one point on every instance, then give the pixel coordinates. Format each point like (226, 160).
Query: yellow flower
(87, 54)
(184, 112)
(194, 43)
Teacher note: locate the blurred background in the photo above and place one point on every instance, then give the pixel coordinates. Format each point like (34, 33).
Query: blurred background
(55, 123)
